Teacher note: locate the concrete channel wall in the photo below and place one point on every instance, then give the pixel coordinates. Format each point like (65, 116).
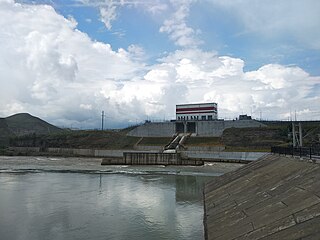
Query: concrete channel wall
(198, 154)
(212, 156)
(74, 151)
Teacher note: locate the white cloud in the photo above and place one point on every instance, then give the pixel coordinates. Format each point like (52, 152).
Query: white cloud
(54, 71)
(109, 9)
(292, 19)
(108, 14)
(177, 28)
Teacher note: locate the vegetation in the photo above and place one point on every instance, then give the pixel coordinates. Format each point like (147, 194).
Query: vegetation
(155, 141)
(204, 141)
(78, 139)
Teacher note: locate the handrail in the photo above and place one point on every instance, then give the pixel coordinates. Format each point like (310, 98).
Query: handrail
(308, 152)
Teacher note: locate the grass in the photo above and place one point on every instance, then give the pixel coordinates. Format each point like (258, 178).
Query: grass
(155, 141)
(79, 139)
(204, 141)
(247, 149)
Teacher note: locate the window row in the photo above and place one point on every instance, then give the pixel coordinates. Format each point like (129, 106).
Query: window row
(209, 117)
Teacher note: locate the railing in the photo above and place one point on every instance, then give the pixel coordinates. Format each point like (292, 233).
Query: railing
(308, 152)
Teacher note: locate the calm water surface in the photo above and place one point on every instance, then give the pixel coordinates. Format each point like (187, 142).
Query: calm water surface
(53, 205)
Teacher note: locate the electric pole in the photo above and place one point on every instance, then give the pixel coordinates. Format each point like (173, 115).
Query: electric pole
(102, 120)
(296, 134)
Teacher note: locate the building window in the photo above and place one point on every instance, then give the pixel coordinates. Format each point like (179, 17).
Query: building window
(203, 117)
(209, 117)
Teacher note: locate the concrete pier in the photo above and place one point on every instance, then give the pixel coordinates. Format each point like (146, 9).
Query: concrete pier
(272, 198)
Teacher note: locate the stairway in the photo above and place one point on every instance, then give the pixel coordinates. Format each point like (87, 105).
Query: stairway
(176, 143)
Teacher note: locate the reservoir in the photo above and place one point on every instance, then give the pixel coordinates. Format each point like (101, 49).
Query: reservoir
(46, 198)
(51, 205)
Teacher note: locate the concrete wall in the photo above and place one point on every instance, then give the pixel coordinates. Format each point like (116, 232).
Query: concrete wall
(149, 158)
(146, 158)
(161, 129)
(149, 148)
(210, 128)
(244, 156)
(76, 152)
(194, 154)
(203, 128)
(206, 148)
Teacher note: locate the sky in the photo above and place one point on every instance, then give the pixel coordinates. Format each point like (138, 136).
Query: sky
(66, 61)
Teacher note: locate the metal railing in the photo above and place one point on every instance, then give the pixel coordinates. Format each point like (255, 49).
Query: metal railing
(308, 152)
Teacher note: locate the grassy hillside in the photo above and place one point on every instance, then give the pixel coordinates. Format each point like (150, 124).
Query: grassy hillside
(254, 138)
(5, 133)
(78, 139)
(23, 124)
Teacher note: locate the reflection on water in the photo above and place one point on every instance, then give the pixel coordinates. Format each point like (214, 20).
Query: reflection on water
(100, 206)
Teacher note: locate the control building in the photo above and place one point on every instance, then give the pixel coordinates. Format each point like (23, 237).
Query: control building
(196, 112)
(190, 116)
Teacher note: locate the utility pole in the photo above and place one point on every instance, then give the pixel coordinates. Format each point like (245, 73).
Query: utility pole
(102, 120)
(296, 135)
(300, 134)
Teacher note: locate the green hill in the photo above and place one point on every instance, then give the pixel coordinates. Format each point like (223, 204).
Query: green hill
(22, 124)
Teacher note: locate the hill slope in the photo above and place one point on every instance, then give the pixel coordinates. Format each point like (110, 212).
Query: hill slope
(23, 124)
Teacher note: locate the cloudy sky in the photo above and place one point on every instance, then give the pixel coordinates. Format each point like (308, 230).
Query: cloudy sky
(67, 60)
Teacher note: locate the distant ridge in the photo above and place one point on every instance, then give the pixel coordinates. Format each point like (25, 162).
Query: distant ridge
(23, 124)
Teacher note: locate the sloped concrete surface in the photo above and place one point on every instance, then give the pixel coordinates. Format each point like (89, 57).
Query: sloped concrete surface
(272, 198)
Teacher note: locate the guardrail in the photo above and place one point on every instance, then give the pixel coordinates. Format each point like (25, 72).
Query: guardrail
(308, 152)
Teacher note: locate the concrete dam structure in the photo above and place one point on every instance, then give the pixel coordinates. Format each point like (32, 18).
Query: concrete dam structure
(275, 197)
(212, 128)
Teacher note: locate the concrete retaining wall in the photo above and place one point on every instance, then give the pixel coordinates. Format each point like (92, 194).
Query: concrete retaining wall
(76, 152)
(206, 148)
(207, 156)
(154, 129)
(193, 155)
(149, 148)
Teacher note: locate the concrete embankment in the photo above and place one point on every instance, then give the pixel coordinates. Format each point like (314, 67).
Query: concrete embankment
(241, 157)
(272, 198)
(193, 156)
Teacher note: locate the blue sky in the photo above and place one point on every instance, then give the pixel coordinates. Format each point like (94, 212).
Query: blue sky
(140, 58)
(220, 29)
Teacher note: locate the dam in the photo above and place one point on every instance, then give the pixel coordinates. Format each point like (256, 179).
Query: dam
(276, 197)
(211, 128)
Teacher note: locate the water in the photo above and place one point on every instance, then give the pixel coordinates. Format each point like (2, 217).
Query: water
(55, 205)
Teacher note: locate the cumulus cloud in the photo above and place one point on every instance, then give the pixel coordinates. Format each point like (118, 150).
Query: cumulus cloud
(52, 70)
